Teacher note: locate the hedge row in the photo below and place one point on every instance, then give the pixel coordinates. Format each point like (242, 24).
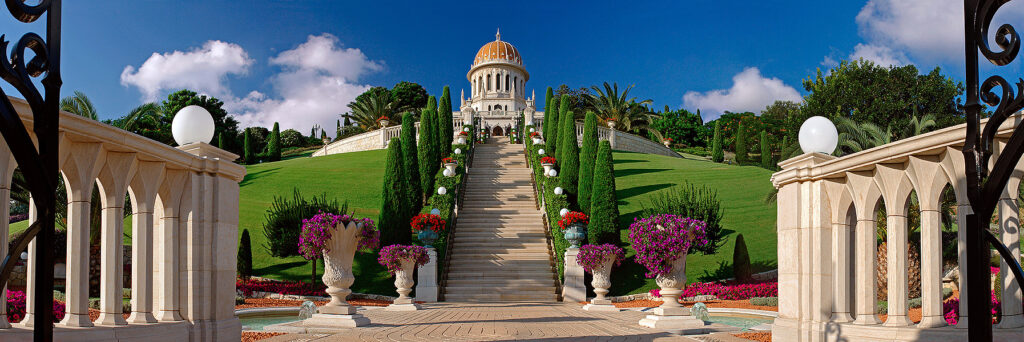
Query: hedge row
(552, 203)
(446, 203)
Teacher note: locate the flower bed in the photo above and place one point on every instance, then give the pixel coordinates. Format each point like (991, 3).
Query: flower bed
(433, 221)
(16, 307)
(282, 287)
(548, 160)
(728, 291)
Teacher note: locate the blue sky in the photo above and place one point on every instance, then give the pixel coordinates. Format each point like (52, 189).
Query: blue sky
(299, 62)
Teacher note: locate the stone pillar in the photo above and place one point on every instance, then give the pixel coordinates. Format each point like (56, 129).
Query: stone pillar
(962, 210)
(931, 269)
(30, 277)
(1010, 226)
(426, 285)
(843, 271)
(865, 271)
(144, 189)
(611, 138)
(80, 171)
(896, 248)
(113, 183)
(166, 247)
(573, 290)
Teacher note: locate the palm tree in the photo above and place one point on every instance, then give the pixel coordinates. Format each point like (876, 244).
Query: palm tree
(79, 104)
(149, 113)
(631, 116)
(365, 113)
(855, 137)
(920, 125)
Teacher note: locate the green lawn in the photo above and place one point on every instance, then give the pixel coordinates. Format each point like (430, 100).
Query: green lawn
(741, 189)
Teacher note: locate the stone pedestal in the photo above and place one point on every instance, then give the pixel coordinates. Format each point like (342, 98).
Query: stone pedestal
(426, 286)
(336, 321)
(404, 283)
(338, 277)
(574, 289)
(601, 283)
(671, 315)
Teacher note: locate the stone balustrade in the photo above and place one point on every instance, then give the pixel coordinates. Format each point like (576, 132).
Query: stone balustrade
(827, 212)
(184, 235)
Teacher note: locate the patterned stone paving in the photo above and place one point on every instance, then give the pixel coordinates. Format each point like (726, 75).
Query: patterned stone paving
(492, 322)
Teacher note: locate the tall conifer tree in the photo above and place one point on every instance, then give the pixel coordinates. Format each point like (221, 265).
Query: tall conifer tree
(604, 210)
(250, 158)
(717, 154)
(569, 159)
(588, 152)
(429, 154)
(548, 111)
(274, 146)
(444, 111)
(393, 221)
(410, 160)
(563, 128)
(552, 139)
(741, 145)
(766, 153)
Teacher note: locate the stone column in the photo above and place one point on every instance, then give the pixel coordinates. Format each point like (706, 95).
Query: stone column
(865, 271)
(1009, 223)
(896, 250)
(426, 285)
(114, 178)
(843, 271)
(30, 277)
(80, 171)
(573, 290)
(144, 189)
(962, 210)
(166, 246)
(7, 165)
(931, 269)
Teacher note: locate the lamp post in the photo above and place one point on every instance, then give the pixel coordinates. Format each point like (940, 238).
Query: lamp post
(985, 186)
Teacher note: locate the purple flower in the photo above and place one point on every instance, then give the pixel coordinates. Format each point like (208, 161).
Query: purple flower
(391, 256)
(316, 231)
(660, 239)
(592, 256)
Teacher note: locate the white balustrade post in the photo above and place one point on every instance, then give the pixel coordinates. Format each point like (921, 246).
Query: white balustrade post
(962, 210)
(114, 177)
(896, 259)
(1009, 222)
(426, 285)
(931, 268)
(574, 290)
(865, 270)
(166, 247)
(30, 276)
(842, 269)
(7, 166)
(144, 187)
(80, 171)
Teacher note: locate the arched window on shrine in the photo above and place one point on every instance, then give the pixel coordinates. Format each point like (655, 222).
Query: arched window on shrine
(506, 82)
(489, 82)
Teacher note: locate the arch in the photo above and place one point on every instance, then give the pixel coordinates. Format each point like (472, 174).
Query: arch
(497, 81)
(515, 84)
(506, 82)
(506, 107)
(497, 131)
(488, 82)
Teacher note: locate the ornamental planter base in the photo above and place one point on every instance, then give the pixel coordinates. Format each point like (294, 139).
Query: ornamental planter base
(596, 306)
(688, 323)
(403, 307)
(336, 321)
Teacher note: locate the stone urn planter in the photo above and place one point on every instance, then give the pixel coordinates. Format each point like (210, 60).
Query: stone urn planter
(427, 237)
(598, 260)
(548, 163)
(667, 142)
(427, 227)
(450, 164)
(662, 242)
(461, 139)
(611, 124)
(537, 141)
(402, 260)
(547, 167)
(337, 238)
(574, 227)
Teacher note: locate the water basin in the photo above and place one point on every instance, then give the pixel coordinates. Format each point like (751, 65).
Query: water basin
(741, 321)
(257, 322)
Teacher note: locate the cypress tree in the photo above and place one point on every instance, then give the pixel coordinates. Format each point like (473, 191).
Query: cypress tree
(741, 145)
(546, 129)
(569, 160)
(604, 210)
(588, 152)
(444, 111)
(245, 255)
(717, 155)
(393, 221)
(766, 153)
(410, 160)
(432, 106)
(552, 138)
(565, 132)
(220, 141)
(741, 261)
(275, 143)
(429, 158)
(348, 122)
(337, 132)
(247, 146)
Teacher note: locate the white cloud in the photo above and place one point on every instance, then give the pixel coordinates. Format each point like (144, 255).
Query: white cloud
(749, 92)
(319, 78)
(881, 55)
(202, 69)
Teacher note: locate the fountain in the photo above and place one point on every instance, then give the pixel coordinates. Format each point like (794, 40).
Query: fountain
(307, 310)
(700, 311)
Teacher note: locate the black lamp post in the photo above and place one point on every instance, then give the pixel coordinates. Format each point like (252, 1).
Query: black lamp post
(983, 185)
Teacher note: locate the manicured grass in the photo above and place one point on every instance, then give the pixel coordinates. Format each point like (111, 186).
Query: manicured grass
(349, 177)
(741, 189)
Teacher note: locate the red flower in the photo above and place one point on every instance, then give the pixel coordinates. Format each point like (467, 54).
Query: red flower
(548, 160)
(535, 135)
(463, 133)
(435, 222)
(571, 218)
(449, 160)
(383, 118)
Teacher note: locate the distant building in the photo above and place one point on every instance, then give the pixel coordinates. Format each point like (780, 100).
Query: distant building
(497, 98)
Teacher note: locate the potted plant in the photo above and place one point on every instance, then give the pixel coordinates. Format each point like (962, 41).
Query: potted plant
(598, 260)
(574, 226)
(427, 227)
(667, 142)
(383, 120)
(462, 137)
(450, 164)
(337, 237)
(548, 162)
(661, 243)
(401, 260)
(536, 137)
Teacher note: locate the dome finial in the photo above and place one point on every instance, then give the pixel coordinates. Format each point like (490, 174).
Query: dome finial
(497, 37)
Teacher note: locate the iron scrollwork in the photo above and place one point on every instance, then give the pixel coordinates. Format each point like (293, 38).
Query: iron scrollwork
(37, 161)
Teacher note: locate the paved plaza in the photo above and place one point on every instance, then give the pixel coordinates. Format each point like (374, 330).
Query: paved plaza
(495, 322)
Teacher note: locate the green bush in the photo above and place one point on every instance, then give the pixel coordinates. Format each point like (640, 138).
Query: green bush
(766, 153)
(244, 255)
(444, 111)
(588, 152)
(764, 301)
(247, 153)
(429, 150)
(717, 154)
(882, 307)
(697, 151)
(604, 210)
(741, 145)
(393, 221)
(274, 145)
(548, 114)
(564, 131)
(283, 222)
(569, 163)
(552, 138)
(914, 303)
(741, 261)
(693, 201)
(946, 293)
(411, 164)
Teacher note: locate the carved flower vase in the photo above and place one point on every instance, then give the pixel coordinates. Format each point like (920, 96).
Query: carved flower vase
(602, 281)
(671, 314)
(575, 234)
(338, 276)
(404, 283)
(547, 167)
(461, 140)
(427, 236)
(451, 167)
(537, 141)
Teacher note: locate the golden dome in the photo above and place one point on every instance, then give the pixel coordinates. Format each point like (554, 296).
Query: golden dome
(498, 51)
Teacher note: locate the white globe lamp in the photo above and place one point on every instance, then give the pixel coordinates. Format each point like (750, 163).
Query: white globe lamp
(553, 173)
(442, 191)
(531, 130)
(818, 134)
(563, 212)
(558, 190)
(447, 173)
(435, 211)
(458, 151)
(540, 151)
(192, 124)
(465, 129)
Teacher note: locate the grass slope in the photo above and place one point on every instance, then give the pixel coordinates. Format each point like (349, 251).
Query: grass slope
(741, 189)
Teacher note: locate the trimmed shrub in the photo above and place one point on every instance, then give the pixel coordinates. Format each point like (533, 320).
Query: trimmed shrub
(429, 155)
(741, 261)
(411, 164)
(283, 222)
(689, 200)
(604, 210)
(274, 145)
(444, 111)
(564, 132)
(764, 301)
(588, 152)
(766, 153)
(548, 114)
(244, 255)
(741, 145)
(717, 155)
(393, 221)
(552, 138)
(569, 163)
(247, 154)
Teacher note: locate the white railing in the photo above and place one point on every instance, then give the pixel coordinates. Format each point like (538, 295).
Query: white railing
(373, 140)
(627, 142)
(827, 251)
(184, 235)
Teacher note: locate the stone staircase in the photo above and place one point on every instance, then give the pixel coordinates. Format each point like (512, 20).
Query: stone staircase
(500, 250)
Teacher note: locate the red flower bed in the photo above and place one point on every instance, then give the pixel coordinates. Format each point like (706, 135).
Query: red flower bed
(16, 307)
(435, 222)
(729, 292)
(449, 160)
(463, 133)
(535, 135)
(573, 217)
(282, 287)
(548, 160)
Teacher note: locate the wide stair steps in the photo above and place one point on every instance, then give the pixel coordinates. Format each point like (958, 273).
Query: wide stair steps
(500, 250)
